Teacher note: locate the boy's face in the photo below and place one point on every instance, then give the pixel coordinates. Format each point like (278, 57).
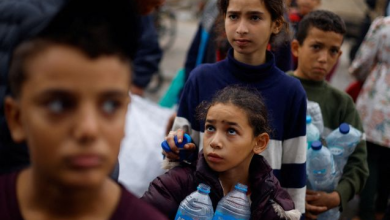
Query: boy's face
(318, 53)
(307, 6)
(71, 111)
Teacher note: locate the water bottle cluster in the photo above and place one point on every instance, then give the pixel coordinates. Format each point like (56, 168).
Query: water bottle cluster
(325, 164)
(197, 206)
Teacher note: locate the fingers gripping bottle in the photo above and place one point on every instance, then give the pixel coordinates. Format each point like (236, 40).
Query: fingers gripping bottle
(342, 142)
(235, 205)
(183, 154)
(312, 132)
(196, 206)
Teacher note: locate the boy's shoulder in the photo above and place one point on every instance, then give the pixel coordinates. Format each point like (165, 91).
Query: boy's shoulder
(131, 207)
(9, 208)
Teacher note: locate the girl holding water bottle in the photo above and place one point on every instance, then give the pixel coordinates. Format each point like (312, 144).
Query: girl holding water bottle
(236, 132)
(250, 25)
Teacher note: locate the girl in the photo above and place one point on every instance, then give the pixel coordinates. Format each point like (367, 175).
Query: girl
(236, 131)
(249, 26)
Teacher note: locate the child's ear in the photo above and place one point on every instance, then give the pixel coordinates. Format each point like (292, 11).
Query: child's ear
(13, 117)
(261, 143)
(277, 26)
(295, 47)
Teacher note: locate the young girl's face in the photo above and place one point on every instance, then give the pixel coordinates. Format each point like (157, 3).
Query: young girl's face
(249, 26)
(228, 142)
(71, 112)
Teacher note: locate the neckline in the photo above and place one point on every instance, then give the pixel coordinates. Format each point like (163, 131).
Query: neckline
(250, 73)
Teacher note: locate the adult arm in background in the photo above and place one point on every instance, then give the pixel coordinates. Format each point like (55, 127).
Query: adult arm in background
(148, 56)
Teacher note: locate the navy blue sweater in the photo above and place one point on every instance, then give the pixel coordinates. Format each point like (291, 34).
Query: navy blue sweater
(286, 103)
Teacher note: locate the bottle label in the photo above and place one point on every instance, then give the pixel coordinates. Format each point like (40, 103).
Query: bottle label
(337, 151)
(319, 172)
(220, 216)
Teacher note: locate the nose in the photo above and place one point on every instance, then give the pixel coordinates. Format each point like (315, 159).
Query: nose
(215, 141)
(242, 27)
(323, 57)
(86, 124)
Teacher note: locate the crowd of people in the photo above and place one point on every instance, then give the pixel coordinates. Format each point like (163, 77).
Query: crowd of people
(67, 69)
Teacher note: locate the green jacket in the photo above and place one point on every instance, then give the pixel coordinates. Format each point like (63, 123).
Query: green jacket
(337, 107)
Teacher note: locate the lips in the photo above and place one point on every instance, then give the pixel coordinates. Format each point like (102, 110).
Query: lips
(242, 42)
(87, 161)
(213, 157)
(319, 69)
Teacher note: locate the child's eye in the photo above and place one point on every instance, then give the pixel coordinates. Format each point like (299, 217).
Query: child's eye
(210, 128)
(315, 47)
(334, 51)
(110, 106)
(233, 17)
(58, 106)
(232, 131)
(255, 18)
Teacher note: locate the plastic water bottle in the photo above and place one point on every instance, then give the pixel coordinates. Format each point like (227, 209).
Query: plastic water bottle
(196, 206)
(320, 168)
(342, 142)
(312, 132)
(182, 153)
(235, 205)
(321, 172)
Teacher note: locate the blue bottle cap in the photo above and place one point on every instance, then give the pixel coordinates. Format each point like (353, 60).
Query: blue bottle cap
(203, 188)
(344, 128)
(308, 119)
(241, 187)
(186, 139)
(316, 145)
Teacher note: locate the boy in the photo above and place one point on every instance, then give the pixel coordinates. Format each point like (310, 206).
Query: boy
(69, 100)
(317, 46)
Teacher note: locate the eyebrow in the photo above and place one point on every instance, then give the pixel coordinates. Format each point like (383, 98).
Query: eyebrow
(227, 122)
(248, 12)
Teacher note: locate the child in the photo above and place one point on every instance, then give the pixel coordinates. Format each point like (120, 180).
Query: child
(249, 26)
(70, 98)
(318, 46)
(236, 131)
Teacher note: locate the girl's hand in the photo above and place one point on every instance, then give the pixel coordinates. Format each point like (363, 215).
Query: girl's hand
(174, 153)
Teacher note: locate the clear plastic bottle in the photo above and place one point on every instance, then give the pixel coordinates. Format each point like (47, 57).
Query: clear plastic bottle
(342, 142)
(321, 172)
(196, 206)
(312, 132)
(320, 168)
(235, 205)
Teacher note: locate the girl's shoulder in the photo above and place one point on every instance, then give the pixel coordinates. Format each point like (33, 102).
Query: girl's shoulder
(207, 70)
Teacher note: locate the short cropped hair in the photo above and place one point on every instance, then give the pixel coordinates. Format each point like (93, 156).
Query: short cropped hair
(321, 19)
(104, 29)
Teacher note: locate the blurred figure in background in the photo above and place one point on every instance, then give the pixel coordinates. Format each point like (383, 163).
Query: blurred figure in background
(372, 66)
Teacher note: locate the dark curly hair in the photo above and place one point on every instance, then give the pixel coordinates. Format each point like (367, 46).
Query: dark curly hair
(247, 99)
